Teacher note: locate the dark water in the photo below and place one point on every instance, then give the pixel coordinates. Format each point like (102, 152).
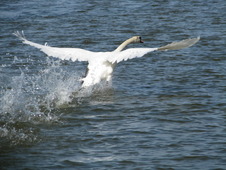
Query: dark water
(166, 110)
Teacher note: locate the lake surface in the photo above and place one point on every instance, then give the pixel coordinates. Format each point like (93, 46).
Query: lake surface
(166, 110)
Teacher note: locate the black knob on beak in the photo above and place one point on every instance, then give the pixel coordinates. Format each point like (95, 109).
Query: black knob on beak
(141, 40)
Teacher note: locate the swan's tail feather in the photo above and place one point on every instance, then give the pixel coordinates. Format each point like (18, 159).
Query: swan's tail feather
(22, 37)
(179, 45)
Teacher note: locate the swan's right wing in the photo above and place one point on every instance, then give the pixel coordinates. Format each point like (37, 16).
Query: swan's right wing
(61, 53)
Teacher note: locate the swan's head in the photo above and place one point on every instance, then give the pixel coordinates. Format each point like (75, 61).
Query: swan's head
(137, 39)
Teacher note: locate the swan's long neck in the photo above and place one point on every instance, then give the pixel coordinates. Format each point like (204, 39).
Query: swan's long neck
(124, 44)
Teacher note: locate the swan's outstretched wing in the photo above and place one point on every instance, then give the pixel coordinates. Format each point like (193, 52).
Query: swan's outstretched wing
(116, 57)
(62, 53)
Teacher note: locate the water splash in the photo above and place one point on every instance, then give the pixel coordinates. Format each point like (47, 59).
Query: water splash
(39, 94)
(32, 98)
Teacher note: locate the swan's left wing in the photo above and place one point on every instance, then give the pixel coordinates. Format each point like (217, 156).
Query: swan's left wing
(117, 57)
(61, 53)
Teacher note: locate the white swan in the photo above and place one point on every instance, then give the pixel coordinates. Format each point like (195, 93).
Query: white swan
(101, 64)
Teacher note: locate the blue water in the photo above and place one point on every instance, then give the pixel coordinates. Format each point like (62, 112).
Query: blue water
(166, 110)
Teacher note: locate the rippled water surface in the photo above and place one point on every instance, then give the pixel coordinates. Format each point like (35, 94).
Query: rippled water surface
(166, 110)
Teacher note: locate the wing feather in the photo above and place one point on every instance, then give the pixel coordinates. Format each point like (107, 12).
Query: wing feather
(61, 53)
(131, 53)
(180, 44)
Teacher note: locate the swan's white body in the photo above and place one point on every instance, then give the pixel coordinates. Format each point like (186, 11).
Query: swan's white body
(101, 64)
